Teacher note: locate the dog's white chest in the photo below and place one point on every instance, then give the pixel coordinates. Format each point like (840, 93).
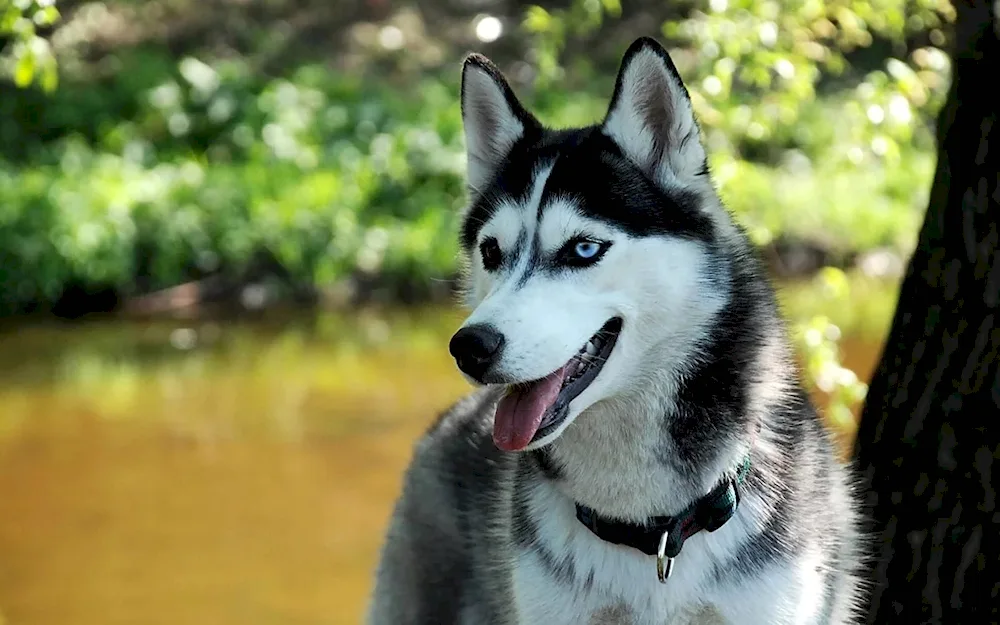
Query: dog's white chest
(570, 577)
(543, 595)
(546, 600)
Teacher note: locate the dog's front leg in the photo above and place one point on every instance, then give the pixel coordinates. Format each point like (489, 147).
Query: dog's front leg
(420, 572)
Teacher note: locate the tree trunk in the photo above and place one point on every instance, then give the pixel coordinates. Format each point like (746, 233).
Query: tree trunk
(929, 434)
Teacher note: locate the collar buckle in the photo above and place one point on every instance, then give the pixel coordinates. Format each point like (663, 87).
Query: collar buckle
(664, 563)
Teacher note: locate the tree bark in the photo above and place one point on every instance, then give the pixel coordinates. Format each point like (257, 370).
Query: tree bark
(929, 435)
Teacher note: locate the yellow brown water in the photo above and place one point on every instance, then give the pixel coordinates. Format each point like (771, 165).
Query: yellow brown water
(215, 473)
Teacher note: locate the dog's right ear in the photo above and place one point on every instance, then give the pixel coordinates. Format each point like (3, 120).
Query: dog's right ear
(651, 117)
(493, 118)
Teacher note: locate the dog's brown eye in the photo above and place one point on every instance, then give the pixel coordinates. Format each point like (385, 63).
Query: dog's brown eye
(492, 257)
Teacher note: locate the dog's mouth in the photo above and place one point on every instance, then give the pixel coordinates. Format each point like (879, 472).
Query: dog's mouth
(532, 410)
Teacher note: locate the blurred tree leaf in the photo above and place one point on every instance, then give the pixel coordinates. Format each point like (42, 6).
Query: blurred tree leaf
(27, 56)
(24, 68)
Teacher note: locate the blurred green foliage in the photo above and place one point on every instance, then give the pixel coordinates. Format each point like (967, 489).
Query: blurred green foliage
(29, 59)
(823, 311)
(328, 173)
(175, 167)
(145, 168)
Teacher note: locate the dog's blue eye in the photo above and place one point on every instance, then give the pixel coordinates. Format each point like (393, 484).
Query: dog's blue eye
(581, 252)
(587, 249)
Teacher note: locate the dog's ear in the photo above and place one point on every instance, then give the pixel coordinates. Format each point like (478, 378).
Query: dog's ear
(493, 118)
(650, 116)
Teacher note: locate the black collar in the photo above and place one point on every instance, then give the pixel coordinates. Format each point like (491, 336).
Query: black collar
(708, 513)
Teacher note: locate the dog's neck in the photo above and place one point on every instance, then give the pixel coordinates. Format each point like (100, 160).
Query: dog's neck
(704, 394)
(620, 464)
(660, 448)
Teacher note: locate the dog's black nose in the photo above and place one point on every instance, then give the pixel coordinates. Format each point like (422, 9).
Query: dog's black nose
(476, 348)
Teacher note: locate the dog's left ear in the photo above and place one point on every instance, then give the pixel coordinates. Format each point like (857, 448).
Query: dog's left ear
(650, 116)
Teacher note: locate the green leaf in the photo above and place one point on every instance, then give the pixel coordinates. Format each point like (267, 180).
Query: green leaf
(612, 7)
(50, 76)
(46, 16)
(24, 69)
(537, 20)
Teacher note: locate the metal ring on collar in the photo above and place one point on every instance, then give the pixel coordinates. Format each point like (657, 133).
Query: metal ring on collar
(664, 565)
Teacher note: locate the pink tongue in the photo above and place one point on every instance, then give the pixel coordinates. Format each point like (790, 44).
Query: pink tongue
(519, 413)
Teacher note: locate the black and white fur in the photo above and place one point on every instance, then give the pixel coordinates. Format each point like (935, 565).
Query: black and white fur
(481, 536)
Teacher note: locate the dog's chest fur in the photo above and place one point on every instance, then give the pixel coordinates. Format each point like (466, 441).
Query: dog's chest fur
(541, 598)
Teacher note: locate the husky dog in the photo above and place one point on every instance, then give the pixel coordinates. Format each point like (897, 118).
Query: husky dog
(641, 451)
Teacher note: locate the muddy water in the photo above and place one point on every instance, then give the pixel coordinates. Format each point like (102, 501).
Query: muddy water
(197, 472)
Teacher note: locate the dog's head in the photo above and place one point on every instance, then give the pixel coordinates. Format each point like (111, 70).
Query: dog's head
(591, 253)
